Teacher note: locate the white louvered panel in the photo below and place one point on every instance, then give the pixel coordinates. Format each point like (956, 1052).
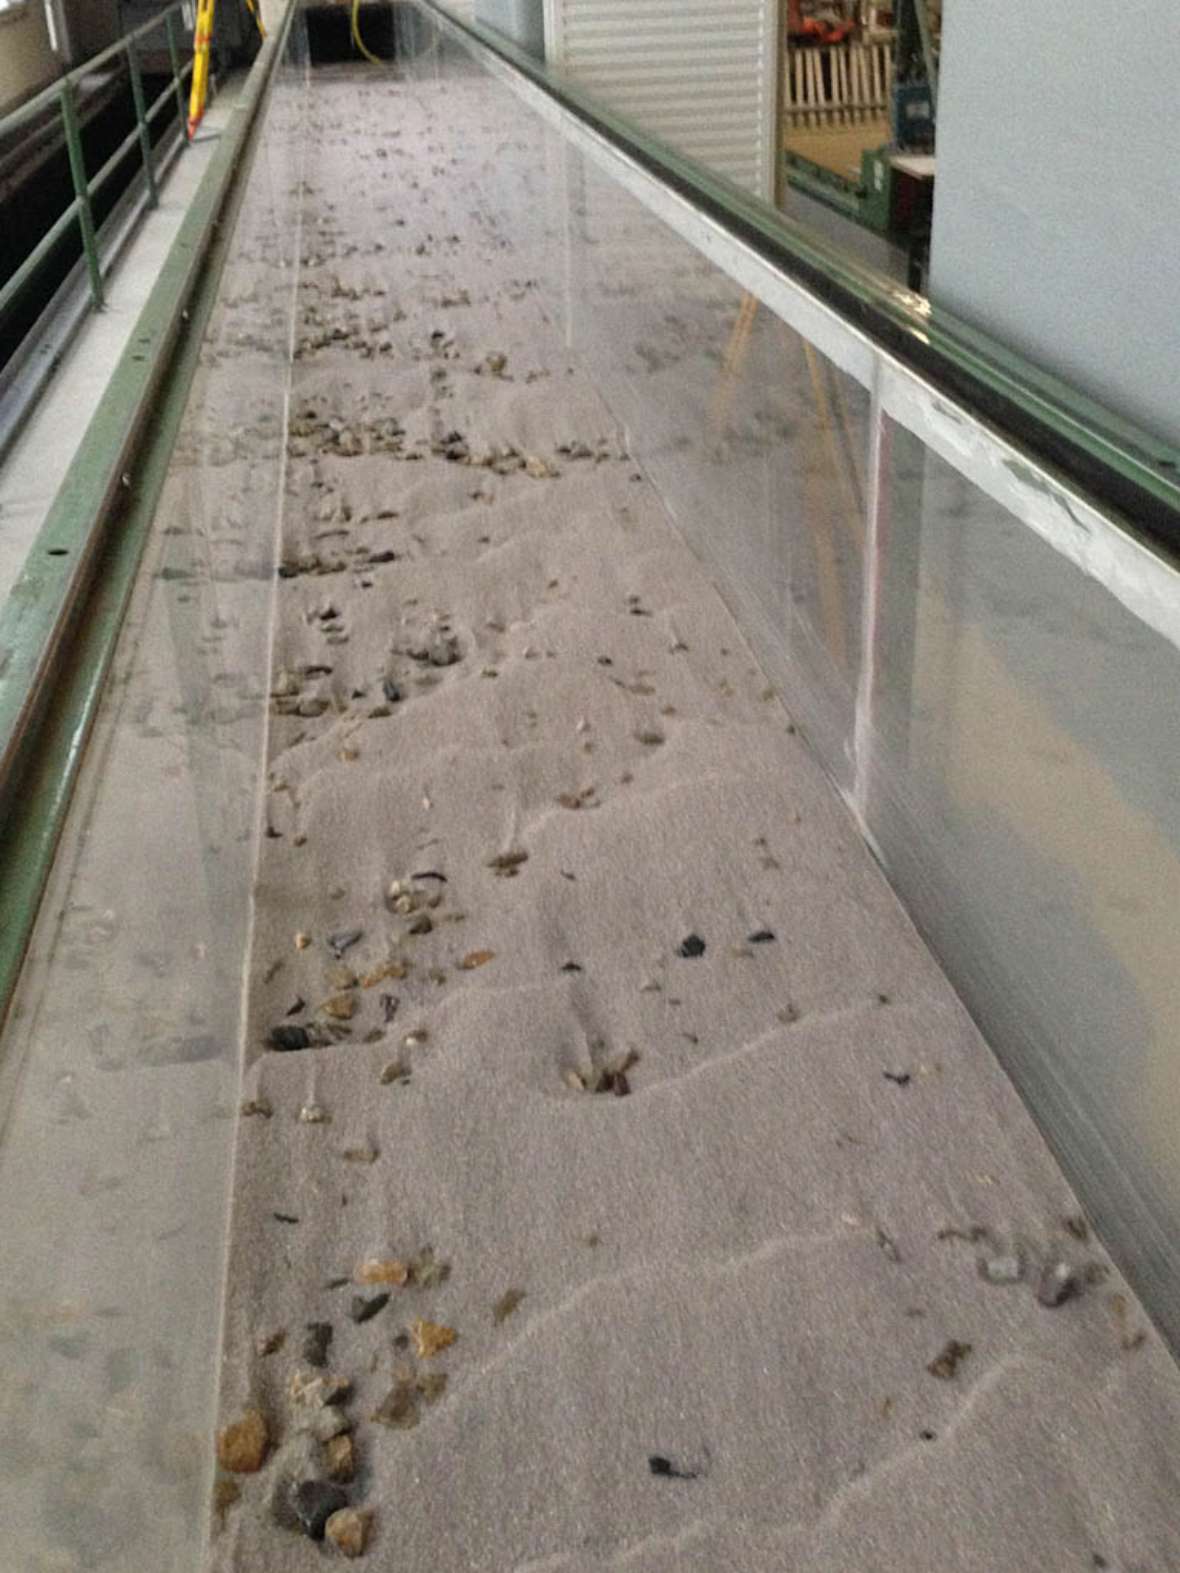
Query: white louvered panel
(700, 74)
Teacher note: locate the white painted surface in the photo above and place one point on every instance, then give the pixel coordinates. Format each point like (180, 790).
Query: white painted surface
(701, 74)
(1055, 221)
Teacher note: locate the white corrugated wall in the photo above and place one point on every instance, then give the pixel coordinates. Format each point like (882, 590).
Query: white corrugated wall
(701, 74)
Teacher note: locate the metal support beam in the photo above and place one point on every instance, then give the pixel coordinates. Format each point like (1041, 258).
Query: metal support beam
(141, 121)
(69, 116)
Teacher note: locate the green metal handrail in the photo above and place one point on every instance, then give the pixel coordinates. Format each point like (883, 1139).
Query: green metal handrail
(62, 94)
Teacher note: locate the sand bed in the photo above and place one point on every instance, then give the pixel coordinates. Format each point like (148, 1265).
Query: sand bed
(617, 1040)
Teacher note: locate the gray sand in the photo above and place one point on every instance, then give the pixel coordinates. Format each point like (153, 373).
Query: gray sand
(745, 1266)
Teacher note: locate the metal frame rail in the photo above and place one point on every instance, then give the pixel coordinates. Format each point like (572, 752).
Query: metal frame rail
(34, 361)
(63, 94)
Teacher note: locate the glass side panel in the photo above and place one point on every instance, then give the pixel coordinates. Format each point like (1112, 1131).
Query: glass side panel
(1021, 784)
(755, 440)
(1001, 724)
(119, 1065)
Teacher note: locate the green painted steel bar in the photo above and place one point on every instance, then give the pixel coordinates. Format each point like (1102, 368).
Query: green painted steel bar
(141, 123)
(60, 625)
(174, 56)
(69, 115)
(13, 286)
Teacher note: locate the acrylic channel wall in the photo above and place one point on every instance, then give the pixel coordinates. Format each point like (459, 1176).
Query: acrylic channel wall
(120, 1062)
(985, 662)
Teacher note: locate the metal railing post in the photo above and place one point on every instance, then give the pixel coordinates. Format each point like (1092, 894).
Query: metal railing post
(69, 115)
(174, 56)
(145, 131)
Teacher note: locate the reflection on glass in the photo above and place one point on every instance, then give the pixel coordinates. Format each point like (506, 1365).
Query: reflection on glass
(120, 1057)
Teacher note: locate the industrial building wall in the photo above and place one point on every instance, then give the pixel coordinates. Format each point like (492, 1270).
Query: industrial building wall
(701, 74)
(92, 25)
(1055, 217)
(27, 61)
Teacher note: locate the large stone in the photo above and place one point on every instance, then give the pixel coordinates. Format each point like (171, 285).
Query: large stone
(348, 1530)
(314, 1503)
(241, 1446)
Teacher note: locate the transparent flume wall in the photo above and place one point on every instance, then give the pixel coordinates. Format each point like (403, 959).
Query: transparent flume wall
(119, 1066)
(986, 664)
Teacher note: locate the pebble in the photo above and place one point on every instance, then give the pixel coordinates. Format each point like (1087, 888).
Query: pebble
(692, 945)
(241, 1447)
(288, 1039)
(313, 1392)
(1057, 1284)
(340, 1458)
(302, 940)
(314, 1114)
(344, 940)
(348, 1530)
(270, 1343)
(431, 1338)
(315, 1344)
(314, 1503)
(476, 958)
(362, 1310)
(381, 1270)
(327, 1422)
(947, 1361)
(259, 1106)
(341, 1007)
(1001, 1269)
(506, 1305)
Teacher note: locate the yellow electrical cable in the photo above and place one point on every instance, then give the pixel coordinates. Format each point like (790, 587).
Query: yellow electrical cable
(356, 34)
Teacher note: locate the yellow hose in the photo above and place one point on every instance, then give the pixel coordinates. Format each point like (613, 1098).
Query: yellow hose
(356, 34)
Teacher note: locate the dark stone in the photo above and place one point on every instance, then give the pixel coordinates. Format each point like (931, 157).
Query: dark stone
(948, 1360)
(391, 690)
(345, 940)
(362, 1310)
(288, 1039)
(1057, 1284)
(667, 1470)
(314, 1502)
(300, 1004)
(762, 937)
(692, 946)
(284, 1217)
(571, 966)
(315, 1344)
(382, 557)
(898, 1078)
